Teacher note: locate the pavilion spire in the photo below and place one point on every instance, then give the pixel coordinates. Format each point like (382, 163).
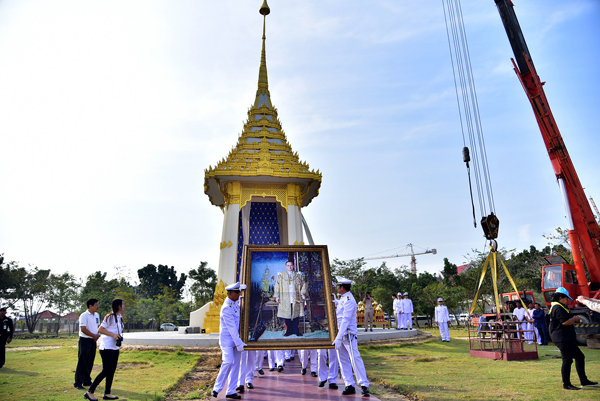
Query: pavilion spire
(263, 80)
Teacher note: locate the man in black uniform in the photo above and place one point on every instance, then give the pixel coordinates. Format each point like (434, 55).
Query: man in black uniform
(563, 336)
(6, 333)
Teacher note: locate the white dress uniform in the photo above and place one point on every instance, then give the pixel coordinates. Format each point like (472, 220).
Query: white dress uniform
(332, 375)
(348, 355)
(442, 318)
(304, 355)
(530, 326)
(229, 341)
(407, 311)
(396, 306)
(247, 367)
(520, 314)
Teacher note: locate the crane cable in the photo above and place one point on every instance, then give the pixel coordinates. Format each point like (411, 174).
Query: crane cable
(468, 108)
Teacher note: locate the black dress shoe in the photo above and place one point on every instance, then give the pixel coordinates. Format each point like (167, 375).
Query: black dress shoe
(314, 374)
(349, 390)
(299, 334)
(287, 359)
(371, 329)
(261, 372)
(233, 396)
(87, 384)
(571, 387)
(79, 387)
(303, 371)
(215, 394)
(280, 369)
(322, 384)
(239, 389)
(291, 359)
(287, 334)
(249, 385)
(365, 391)
(333, 386)
(271, 369)
(589, 384)
(110, 398)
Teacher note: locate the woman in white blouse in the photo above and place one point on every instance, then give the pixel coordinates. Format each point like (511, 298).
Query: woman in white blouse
(112, 331)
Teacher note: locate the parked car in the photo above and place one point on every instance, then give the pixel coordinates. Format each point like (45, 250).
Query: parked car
(168, 327)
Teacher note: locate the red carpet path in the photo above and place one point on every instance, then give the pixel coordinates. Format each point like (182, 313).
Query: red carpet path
(291, 385)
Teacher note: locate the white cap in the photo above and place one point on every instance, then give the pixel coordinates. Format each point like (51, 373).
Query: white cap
(400, 294)
(440, 299)
(341, 280)
(235, 287)
(406, 293)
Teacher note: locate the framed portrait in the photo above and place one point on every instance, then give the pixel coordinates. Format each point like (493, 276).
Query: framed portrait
(288, 301)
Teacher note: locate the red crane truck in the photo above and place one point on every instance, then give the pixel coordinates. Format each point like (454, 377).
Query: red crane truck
(584, 232)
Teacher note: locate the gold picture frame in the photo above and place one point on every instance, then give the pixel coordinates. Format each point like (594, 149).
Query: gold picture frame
(285, 307)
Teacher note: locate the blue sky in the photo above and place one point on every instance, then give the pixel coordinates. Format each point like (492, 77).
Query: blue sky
(111, 112)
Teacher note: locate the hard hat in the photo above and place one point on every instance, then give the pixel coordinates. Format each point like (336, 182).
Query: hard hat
(563, 290)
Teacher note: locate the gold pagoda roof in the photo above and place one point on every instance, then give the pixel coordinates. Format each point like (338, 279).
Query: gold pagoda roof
(262, 154)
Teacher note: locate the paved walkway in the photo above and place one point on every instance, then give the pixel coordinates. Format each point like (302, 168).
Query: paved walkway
(291, 385)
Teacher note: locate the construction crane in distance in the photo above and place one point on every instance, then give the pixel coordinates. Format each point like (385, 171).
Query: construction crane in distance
(412, 254)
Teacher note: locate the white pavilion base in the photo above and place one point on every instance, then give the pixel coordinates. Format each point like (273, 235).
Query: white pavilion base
(174, 338)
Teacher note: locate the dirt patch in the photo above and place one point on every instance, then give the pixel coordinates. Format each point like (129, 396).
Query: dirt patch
(401, 357)
(33, 348)
(140, 365)
(422, 336)
(198, 383)
(192, 350)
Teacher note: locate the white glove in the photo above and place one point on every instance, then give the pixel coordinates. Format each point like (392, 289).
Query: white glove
(338, 344)
(240, 347)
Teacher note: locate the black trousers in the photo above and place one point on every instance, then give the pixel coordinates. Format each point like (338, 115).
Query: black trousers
(110, 358)
(292, 326)
(85, 362)
(3, 340)
(569, 351)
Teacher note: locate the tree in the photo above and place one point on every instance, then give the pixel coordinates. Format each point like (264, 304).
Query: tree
(168, 305)
(98, 287)
(153, 278)
(204, 281)
(63, 294)
(30, 288)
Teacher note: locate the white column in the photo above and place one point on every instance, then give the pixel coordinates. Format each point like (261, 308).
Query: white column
(294, 224)
(228, 257)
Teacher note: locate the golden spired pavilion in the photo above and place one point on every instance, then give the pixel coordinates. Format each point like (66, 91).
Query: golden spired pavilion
(261, 186)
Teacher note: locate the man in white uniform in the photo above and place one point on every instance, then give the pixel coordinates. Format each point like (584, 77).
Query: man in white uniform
(395, 306)
(520, 314)
(530, 329)
(407, 311)
(346, 341)
(230, 342)
(324, 375)
(442, 318)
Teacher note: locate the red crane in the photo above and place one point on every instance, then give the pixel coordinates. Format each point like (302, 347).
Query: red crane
(584, 232)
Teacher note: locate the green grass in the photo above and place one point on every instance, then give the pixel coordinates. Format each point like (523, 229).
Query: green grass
(444, 371)
(46, 340)
(48, 374)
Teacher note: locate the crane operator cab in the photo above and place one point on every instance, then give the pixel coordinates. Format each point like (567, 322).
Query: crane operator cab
(559, 274)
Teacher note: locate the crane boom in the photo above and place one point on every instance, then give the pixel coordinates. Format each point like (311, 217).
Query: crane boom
(412, 254)
(583, 231)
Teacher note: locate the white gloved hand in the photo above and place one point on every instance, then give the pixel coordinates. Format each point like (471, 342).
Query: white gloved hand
(240, 347)
(338, 344)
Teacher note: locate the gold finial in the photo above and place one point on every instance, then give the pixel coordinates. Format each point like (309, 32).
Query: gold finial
(263, 81)
(264, 9)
